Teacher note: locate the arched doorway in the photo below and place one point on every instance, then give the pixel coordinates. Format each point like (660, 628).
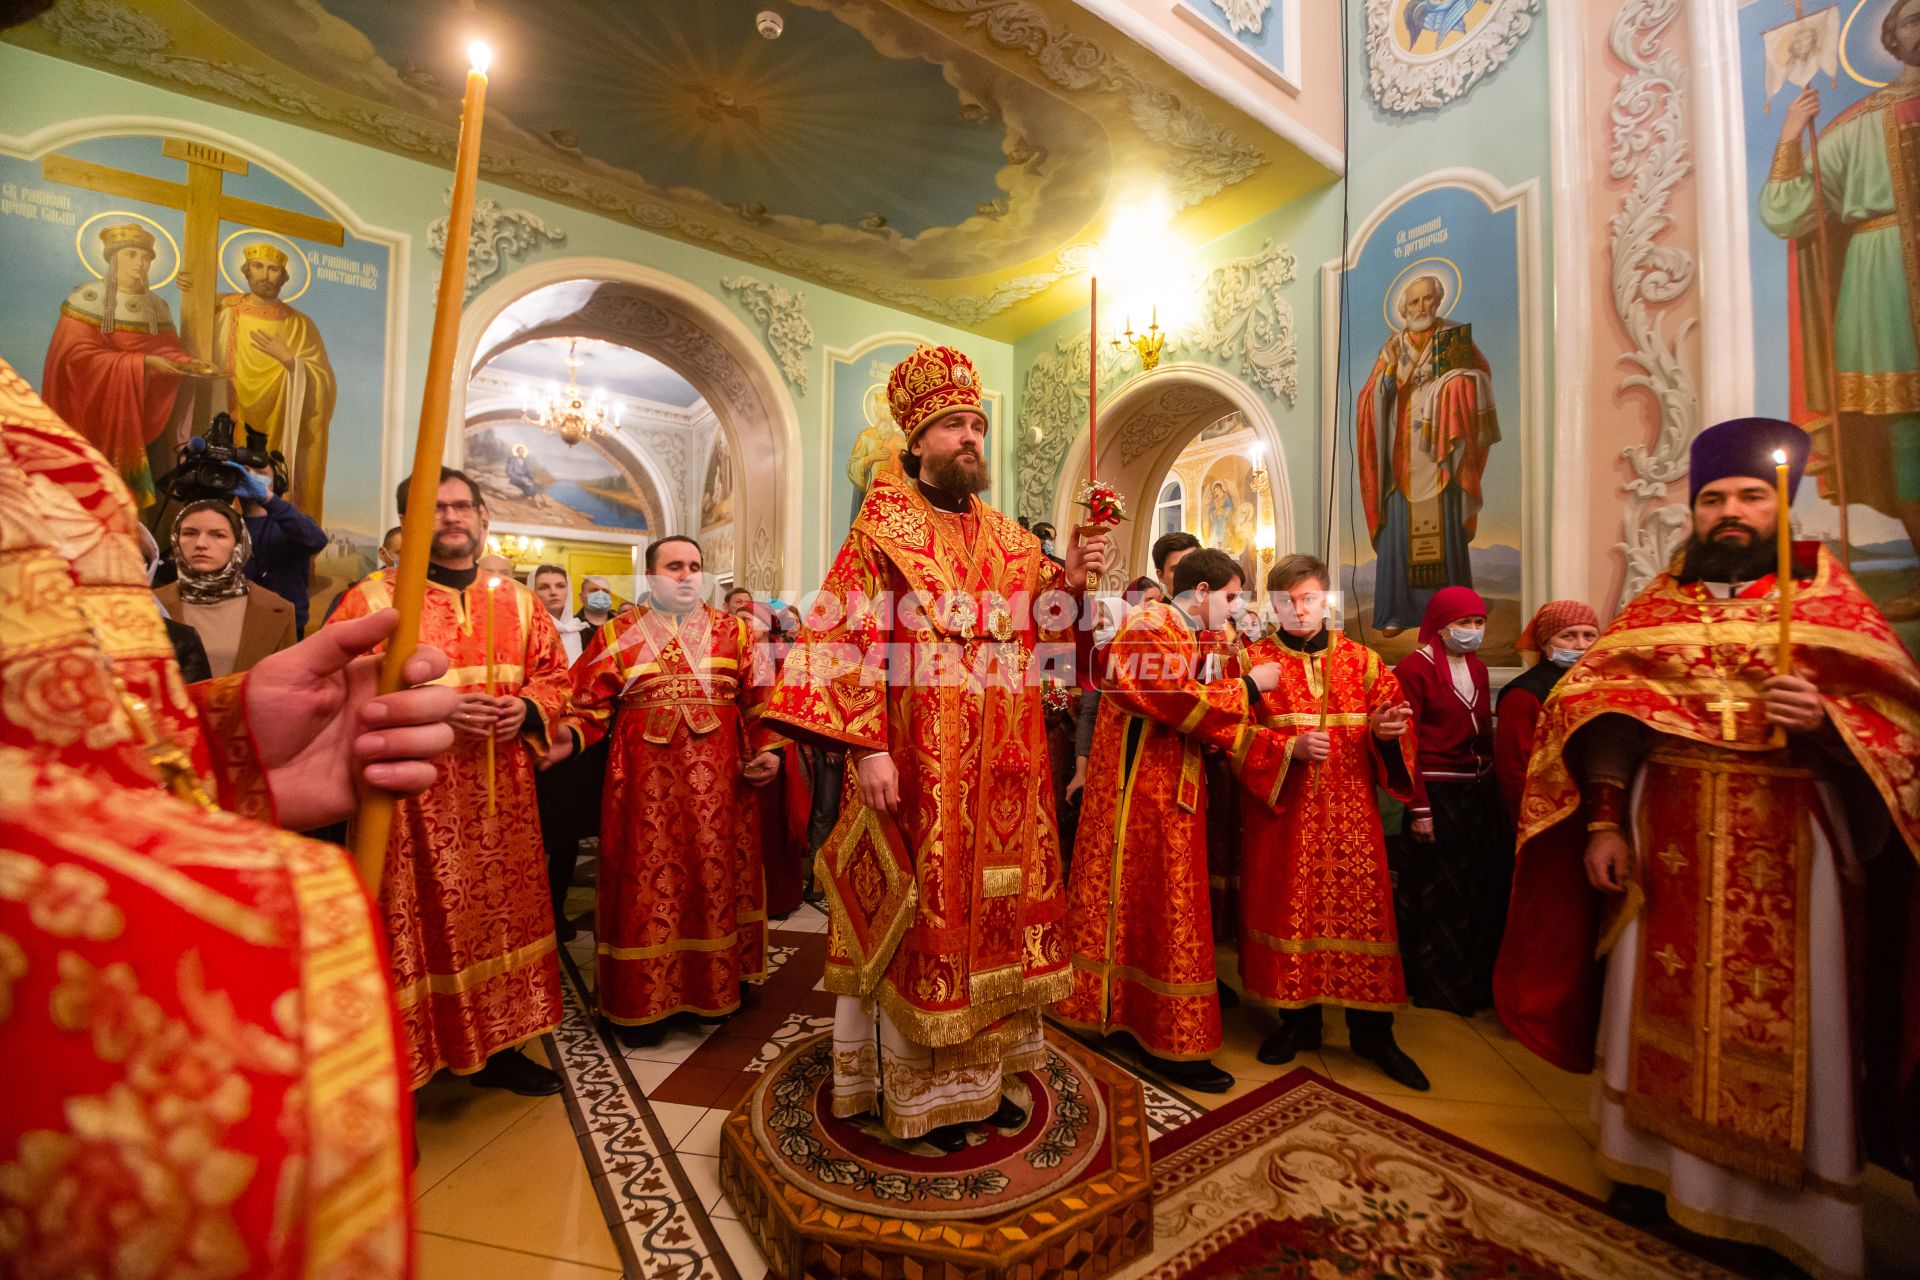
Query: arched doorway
(1144, 426)
(688, 329)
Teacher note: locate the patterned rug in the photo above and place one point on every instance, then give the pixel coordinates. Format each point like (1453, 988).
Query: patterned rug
(1303, 1178)
(855, 1164)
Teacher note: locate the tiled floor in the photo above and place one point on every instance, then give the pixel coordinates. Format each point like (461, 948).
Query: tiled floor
(525, 1188)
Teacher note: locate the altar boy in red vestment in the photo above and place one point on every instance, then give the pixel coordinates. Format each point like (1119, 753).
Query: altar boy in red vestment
(1139, 922)
(679, 686)
(469, 915)
(1317, 924)
(1726, 833)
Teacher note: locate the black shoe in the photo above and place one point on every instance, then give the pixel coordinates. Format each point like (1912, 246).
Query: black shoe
(516, 1073)
(1393, 1060)
(644, 1036)
(1229, 998)
(1285, 1043)
(1637, 1206)
(950, 1138)
(564, 930)
(1201, 1075)
(1007, 1115)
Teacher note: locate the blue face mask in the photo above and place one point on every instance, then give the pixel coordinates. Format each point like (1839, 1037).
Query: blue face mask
(599, 601)
(1564, 657)
(1465, 639)
(1046, 547)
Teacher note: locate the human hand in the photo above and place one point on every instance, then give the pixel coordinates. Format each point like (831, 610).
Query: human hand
(1793, 703)
(1265, 677)
(1391, 721)
(558, 750)
(251, 485)
(275, 347)
(1315, 745)
(1609, 861)
(510, 713)
(1801, 113)
(1078, 782)
(474, 715)
(1421, 829)
(321, 732)
(762, 769)
(879, 782)
(1086, 555)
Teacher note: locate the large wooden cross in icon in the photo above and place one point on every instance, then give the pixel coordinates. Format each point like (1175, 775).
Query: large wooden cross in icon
(206, 207)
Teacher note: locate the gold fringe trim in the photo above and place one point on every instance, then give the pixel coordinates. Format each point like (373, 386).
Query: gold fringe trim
(1701, 1222)
(938, 1029)
(1778, 1168)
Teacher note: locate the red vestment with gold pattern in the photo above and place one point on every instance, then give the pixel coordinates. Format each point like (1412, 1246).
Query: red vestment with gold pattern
(682, 916)
(1729, 819)
(207, 1074)
(1139, 920)
(1317, 923)
(917, 647)
(469, 916)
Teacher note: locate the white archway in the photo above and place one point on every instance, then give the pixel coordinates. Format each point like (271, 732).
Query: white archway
(1137, 461)
(684, 326)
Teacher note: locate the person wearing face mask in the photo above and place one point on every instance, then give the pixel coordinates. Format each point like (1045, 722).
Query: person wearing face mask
(1454, 897)
(1044, 532)
(596, 601)
(1139, 920)
(1559, 634)
(239, 622)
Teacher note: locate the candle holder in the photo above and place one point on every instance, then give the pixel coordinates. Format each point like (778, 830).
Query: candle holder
(1145, 345)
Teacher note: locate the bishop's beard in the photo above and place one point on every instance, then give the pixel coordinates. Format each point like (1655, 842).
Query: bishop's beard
(956, 475)
(1716, 560)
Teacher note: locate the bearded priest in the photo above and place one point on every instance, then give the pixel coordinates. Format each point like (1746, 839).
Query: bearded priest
(1711, 822)
(922, 659)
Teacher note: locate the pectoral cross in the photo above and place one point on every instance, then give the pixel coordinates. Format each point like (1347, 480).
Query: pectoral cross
(1728, 707)
(206, 207)
(173, 762)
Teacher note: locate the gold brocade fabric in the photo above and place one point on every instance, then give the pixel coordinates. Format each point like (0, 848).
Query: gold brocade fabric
(947, 684)
(468, 911)
(1139, 921)
(1317, 923)
(682, 915)
(205, 1080)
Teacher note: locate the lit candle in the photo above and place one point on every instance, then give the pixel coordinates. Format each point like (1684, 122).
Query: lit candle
(1093, 366)
(375, 818)
(1783, 575)
(491, 584)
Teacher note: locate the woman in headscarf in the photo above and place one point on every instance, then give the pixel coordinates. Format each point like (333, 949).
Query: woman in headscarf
(1559, 634)
(239, 622)
(1460, 861)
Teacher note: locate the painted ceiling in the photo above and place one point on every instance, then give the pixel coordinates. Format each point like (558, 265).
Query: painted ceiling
(952, 157)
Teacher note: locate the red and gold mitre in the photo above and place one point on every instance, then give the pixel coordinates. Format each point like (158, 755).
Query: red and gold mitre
(261, 251)
(122, 234)
(930, 384)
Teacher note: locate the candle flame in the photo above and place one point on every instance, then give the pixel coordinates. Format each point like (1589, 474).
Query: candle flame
(492, 583)
(479, 56)
(1779, 457)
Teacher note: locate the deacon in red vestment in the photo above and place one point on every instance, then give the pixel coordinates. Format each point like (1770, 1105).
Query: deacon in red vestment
(924, 656)
(1139, 921)
(682, 916)
(1559, 632)
(469, 914)
(208, 1078)
(1726, 835)
(1317, 925)
(114, 366)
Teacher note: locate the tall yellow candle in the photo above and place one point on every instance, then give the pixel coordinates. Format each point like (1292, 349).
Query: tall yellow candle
(1783, 575)
(374, 821)
(492, 808)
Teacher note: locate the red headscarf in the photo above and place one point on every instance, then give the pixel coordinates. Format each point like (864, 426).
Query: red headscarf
(1449, 605)
(1552, 618)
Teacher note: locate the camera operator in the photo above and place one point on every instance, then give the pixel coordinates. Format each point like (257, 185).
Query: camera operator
(285, 539)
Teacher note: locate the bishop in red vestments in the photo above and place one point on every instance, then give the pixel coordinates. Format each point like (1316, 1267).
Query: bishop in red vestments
(923, 656)
(469, 915)
(208, 1078)
(682, 915)
(1726, 835)
(1317, 925)
(1139, 920)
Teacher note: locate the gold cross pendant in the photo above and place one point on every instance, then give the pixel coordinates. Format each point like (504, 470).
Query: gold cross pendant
(1728, 707)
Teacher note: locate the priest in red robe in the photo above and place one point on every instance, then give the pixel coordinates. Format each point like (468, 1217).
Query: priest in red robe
(924, 656)
(682, 915)
(469, 915)
(115, 365)
(1724, 833)
(1139, 920)
(1317, 925)
(208, 1080)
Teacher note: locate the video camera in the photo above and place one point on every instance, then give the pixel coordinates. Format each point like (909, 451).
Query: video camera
(202, 470)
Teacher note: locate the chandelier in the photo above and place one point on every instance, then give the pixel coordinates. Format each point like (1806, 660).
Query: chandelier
(572, 413)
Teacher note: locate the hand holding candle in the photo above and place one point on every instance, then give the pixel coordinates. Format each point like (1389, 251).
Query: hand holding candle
(492, 806)
(1783, 573)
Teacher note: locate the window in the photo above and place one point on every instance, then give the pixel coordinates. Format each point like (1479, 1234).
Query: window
(1169, 510)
